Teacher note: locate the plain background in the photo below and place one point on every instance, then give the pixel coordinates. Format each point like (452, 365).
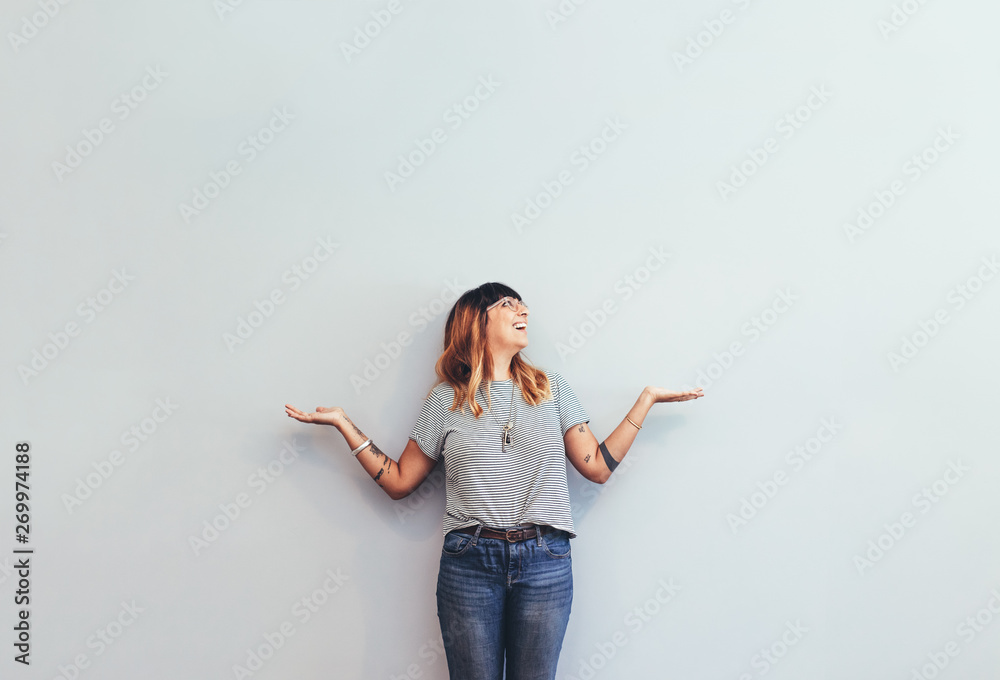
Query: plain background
(896, 80)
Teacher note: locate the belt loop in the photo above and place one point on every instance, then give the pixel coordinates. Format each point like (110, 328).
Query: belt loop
(475, 537)
(538, 535)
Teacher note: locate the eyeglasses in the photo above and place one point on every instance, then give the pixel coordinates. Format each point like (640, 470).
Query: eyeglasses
(509, 303)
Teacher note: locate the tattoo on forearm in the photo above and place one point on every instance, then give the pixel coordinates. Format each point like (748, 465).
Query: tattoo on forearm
(377, 452)
(587, 459)
(386, 463)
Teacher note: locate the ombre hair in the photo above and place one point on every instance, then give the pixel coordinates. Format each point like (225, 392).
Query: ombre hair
(466, 363)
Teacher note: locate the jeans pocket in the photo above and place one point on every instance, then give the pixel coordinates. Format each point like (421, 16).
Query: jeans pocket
(556, 544)
(456, 543)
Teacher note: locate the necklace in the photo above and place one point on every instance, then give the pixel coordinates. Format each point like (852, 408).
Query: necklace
(508, 429)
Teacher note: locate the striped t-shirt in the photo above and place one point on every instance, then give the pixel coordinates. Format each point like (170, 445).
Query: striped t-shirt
(524, 484)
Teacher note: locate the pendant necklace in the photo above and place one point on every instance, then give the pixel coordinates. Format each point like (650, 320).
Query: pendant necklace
(507, 429)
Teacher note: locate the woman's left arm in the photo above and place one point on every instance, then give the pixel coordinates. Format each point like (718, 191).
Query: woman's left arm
(588, 455)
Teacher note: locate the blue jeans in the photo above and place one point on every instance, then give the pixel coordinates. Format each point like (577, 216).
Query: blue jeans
(495, 597)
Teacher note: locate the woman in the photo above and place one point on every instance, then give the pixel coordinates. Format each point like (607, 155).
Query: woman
(503, 427)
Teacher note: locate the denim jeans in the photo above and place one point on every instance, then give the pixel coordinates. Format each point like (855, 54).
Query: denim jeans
(495, 597)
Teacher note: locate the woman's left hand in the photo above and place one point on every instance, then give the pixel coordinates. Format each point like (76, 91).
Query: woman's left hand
(660, 394)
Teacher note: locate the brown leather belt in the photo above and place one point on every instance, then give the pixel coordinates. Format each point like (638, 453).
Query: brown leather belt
(509, 535)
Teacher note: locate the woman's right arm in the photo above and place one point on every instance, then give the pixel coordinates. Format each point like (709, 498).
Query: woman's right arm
(397, 478)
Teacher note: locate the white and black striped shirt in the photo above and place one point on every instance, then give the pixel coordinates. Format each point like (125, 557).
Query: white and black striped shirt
(527, 482)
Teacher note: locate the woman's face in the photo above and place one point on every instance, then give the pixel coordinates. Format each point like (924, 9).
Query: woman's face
(507, 325)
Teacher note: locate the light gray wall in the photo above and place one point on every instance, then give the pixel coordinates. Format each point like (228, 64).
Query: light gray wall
(717, 500)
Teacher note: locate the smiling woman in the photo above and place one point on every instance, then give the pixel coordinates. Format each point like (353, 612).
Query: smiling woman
(505, 584)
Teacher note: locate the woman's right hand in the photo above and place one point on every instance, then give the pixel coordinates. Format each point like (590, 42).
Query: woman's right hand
(323, 415)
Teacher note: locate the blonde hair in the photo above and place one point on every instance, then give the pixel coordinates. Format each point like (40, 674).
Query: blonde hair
(465, 361)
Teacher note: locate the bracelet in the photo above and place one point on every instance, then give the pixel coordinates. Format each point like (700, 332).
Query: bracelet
(630, 420)
(356, 451)
(608, 460)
